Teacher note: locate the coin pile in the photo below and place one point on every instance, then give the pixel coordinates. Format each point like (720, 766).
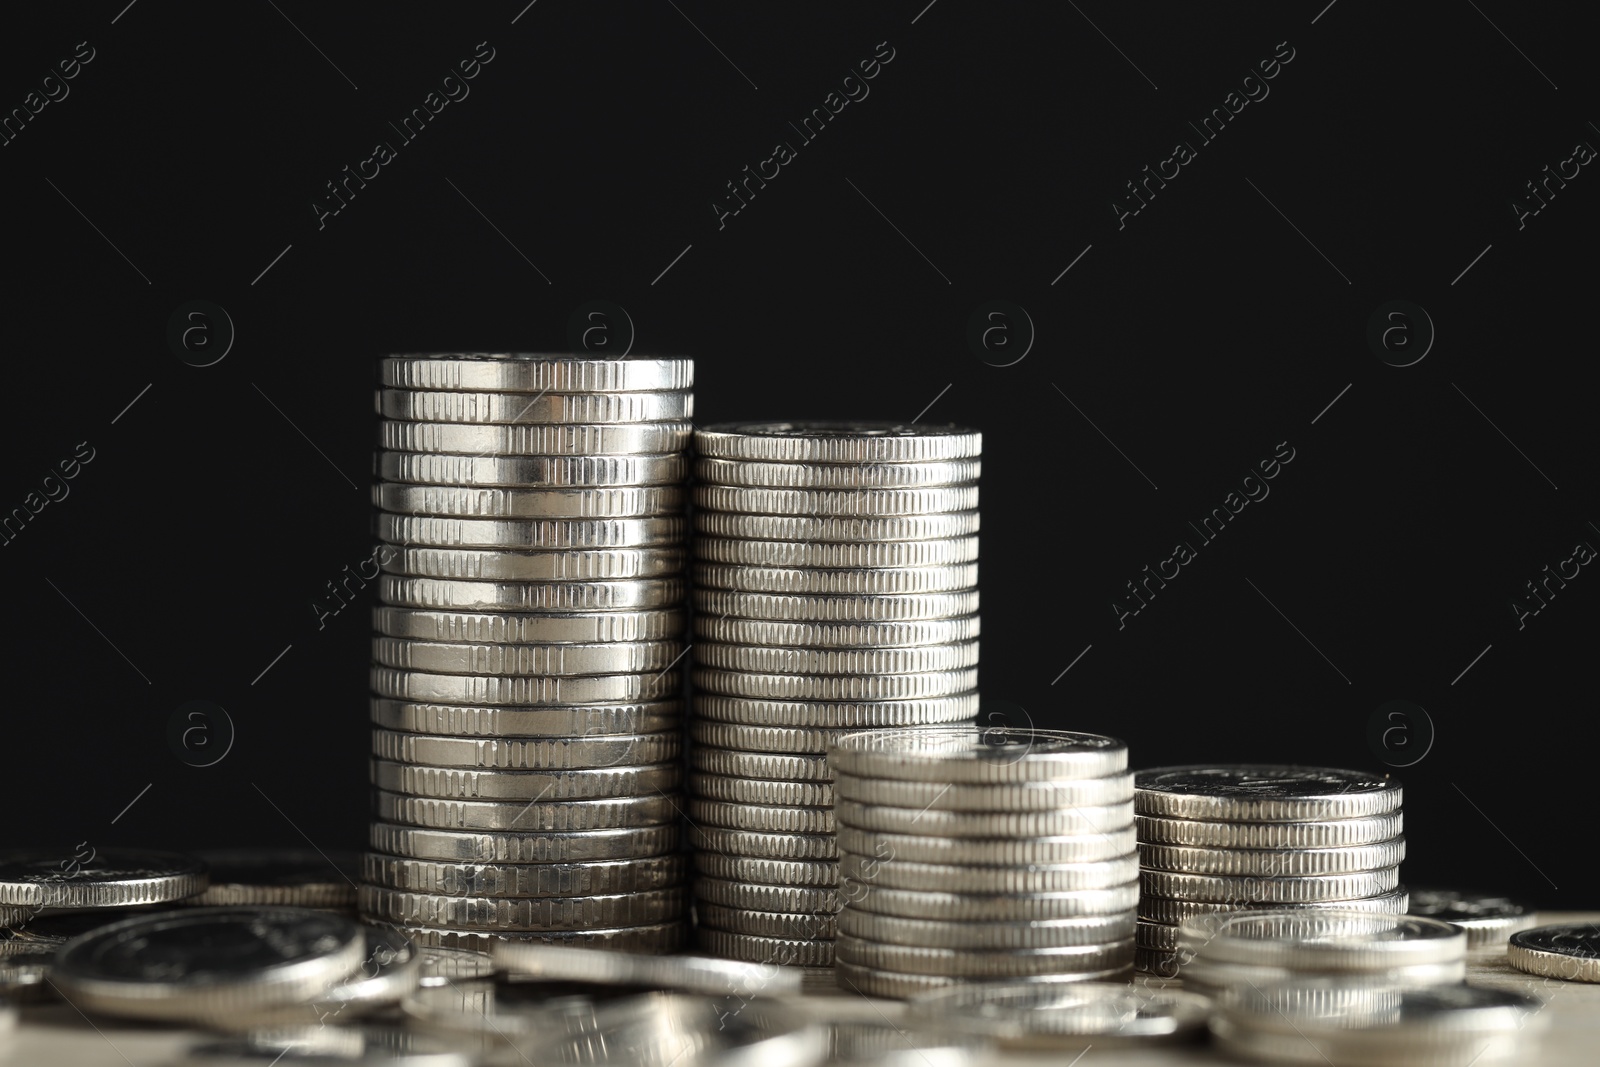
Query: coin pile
(527, 704)
(970, 854)
(1215, 839)
(835, 590)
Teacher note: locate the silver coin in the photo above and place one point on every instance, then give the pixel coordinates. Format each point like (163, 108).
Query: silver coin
(1262, 890)
(702, 975)
(525, 913)
(836, 634)
(428, 468)
(777, 951)
(57, 926)
(791, 740)
(301, 1039)
(583, 720)
(984, 963)
(450, 594)
(995, 934)
(1020, 797)
(820, 608)
(560, 753)
(863, 503)
(294, 877)
(808, 926)
(623, 502)
(978, 754)
(922, 848)
(882, 868)
(875, 555)
(986, 825)
(857, 661)
(83, 877)
(549, 816)
(712, 471)
(600, 878)
(1035, 1016)
(1487, 920)
(208, 962)
(1570, 952)
(857, 582)
(569, 565)
(564, 659)
(25, 970)
(759, 871)
(835, 687)
(1157, 937)
(416, 405)
(1322, 940)
(761, 791)
(991, 907)
(1349, 859)
(829, 528)
(777, 846)
(653, 938)
(528, 786)
(502, 628)
(732, 763)
(757, 897)
(887, 1044)
(837, 442)
(529, 372)
(1218, 979)
(494, 847)
(539, 534)
(1172, 912)
(390, 968)
(478, 689)
(780, 820)
(1264, 793)
(547, 439)
(1327, 833)
(871, 982)
(836, 714)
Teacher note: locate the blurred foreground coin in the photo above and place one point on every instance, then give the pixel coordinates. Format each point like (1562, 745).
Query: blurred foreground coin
(1058, 1015)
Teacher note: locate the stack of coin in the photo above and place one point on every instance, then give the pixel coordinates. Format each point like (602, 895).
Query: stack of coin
(527, 713)
(1215, 839)
(835, 590)
(970, 854)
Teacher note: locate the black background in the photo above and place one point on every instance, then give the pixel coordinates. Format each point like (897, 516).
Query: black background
(1197, 338)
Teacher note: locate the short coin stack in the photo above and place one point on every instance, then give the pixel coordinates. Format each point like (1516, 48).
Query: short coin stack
(971, 854)
(1225, 838)
(527, 710)
(835, 590)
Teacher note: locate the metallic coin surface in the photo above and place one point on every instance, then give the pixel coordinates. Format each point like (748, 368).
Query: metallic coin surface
(531, 372)
(296, 877)
(832, 528)
(537, 534)
(506, 565)
(777, 846)
(459, 846)
(712, 471)
(984, 963)
(926, 848)
(1487, 919)
(66, 877)
(528, 786)
(760, 791)
(882, 868)
(598, 878)
(823, 608)
(1348, 859)
(992, 934)
(756, 897)
(836, 635)
(525, 913)
(732, 763)
(992, 907)
(1570, 952)
(785, 924)
(515, 628)
(1225, 889)
(447, 594)
(1045, 1016)
(703, 975)
(771, 659)
(546, 439)
(837, 442)
(979, 754)
(760, 871)
(568, 816)
(528, 753)
(789, 740)
(653, 938)
(1172, 912)
(862, 503)
(1061, 822)
(416, 405)
(779, 951)
(428, 468)
(835, 714)
(1264, 793)
(1328, 833)
(1321, 940)
(562, 659)
(1113, 789)
(580, 720)
(846, 687)
(621, 502)
(428, 687)
(781, 820)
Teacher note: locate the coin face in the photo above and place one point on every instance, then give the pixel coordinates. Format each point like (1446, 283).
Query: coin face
(972, 753)
(1570, 952)
(837, 442)
(1264, 792)
(109, 877)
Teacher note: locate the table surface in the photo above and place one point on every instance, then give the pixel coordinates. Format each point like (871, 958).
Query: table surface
(58, 1034)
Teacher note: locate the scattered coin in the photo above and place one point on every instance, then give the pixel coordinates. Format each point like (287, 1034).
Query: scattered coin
(106, 878)
(299, 877)
(1036, 1016)
(1488, 920)
(1570, 952)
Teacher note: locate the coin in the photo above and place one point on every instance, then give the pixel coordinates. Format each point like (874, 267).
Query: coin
(583, 720)
(416, 405)
(1158, 937)
(503, 628)
(993, 934)
(792, 740)
(786, 924)
(727, 762)
(428, 468)
(550, 816)
(984, 963)
(653, 937)
(1488, 920)
(537, 534)
(475, 689)
(1172, 912)
(836, 634)
(621, 502)
(295, 1040)
(546, 439)
(835, 687)
(992, 907)
(888, 1044)
(25, 970)
(835, 714)
(702, 975)
(208, 962)
(883, 868)
(297, 877)
(783, 820)
(563, 659)
(777, 846)
(761, 791)
(554, 753)
(837, 442)
(598, 878)
(788, 952)
(1113, 789)
(925, 848)
(426, 844)
(104, 878)
(570, 565)
(757, 897)
(892, 607)
(1570, 952)
(526, 372)
(546, 785)
(1348, 859)
(391, 967)
(770, 659)
(1322, 940)
(1042, 1016)
(1263, 793)
(709, 470)
(447, 593)
(854, 503)
(836, 527)
(761, 871)
(978, 754)
(1061, 822)
(1230, 890)
(1332, 833)
(524, 913)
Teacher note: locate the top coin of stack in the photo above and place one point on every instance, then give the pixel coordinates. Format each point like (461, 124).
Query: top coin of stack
(835, 590)
(1226, 838)
(527, 709)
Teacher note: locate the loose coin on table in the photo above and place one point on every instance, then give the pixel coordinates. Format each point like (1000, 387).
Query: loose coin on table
(686, 974)
(1046, 1016)
(1488, 920)
(104, 878)
(1570, 952)
(298, 877)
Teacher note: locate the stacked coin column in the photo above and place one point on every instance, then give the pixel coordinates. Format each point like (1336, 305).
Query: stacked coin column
(971, 854)
(1228, 838)
(835, 590)
(527, 705)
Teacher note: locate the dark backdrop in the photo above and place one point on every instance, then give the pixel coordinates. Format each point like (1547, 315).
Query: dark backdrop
(1172, 351)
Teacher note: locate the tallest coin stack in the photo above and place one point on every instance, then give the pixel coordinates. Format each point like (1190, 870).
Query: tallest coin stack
(527, 707)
